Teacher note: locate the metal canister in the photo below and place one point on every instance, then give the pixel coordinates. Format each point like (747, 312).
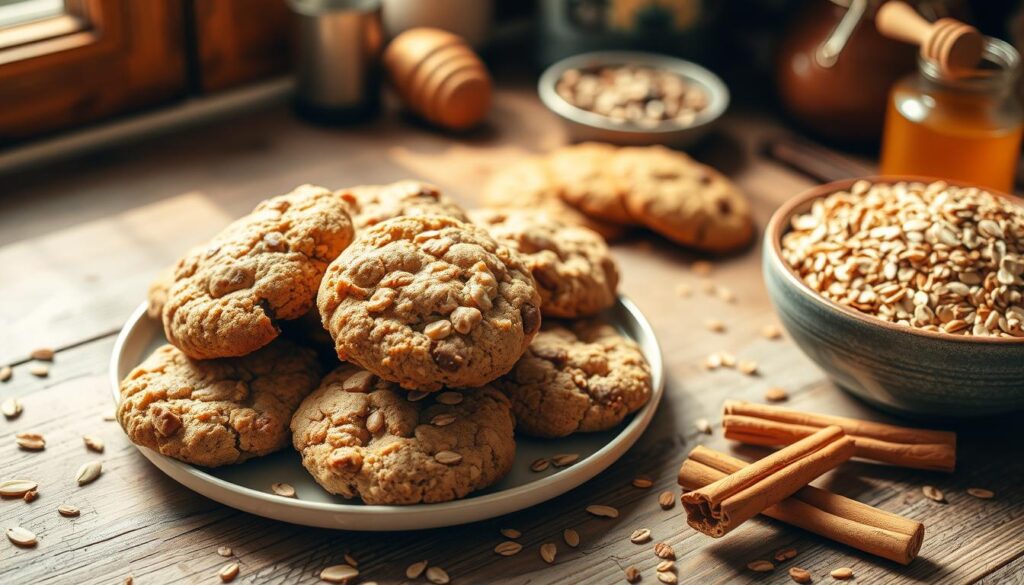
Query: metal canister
(337, 46)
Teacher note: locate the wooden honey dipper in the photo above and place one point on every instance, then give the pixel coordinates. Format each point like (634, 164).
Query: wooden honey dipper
(956, 47)
(439, 77)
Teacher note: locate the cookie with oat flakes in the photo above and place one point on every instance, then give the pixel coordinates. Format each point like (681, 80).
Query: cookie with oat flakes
(361, 436)
(430, 301)
(216, 412)
(582, 377)
(228, 295)
(581, 172)
(572, 265)
(372, 204)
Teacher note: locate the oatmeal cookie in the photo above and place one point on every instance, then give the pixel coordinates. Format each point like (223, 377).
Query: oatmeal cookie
(572, 265)
(583, 379)
(372, 204)
(216, 412)
(156, 295)
(430, 301)
(581, 172)
(361, 436)
(528, 184)
(263, 267)
(683, 200)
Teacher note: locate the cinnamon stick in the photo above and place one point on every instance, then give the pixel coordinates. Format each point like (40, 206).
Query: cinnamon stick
(717, 508)
(822, 512)
(773, 426)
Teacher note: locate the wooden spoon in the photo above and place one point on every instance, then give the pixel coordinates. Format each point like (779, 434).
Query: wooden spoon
(955, 46)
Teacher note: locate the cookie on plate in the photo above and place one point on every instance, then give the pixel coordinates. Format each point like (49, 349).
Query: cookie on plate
(580, 378)
(428, 302)
(264, 267)
(372, 204)
(683, 200)
(216, 412)
(581, 173)
(572, 265)
(156, 294)
(528, 184)
(361, 436)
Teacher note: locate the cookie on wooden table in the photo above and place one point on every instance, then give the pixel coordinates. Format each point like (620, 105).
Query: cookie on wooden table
(430, 301)
(372, 204)
(572, 265)
(361, 436)
(216, 412)
(683, 200)
(581, 172)
(579, 377)
(264, 267)
(528, 184)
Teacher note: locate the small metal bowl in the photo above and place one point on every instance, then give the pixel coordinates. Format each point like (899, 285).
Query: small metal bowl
(584, 125)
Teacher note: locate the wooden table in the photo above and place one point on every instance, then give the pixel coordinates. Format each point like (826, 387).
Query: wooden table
(79, 243)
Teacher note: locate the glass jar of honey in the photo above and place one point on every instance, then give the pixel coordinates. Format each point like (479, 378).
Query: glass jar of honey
(965, 128)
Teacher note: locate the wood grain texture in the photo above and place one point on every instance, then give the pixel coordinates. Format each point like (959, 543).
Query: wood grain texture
(136, 521)
(238, 41)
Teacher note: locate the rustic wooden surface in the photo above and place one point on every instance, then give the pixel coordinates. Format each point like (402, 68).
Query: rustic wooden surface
(79, 246)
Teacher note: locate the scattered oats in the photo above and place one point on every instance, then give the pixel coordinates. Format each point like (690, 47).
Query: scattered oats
(442, 420)
(375, 422)
(775, 394)
(784, 554)
(510, 533)
(416, 569)
(842, 573)
(340, 573)
(761, 566)
(933, 493)
(225, 551)
(799, 575)
(771, 332)
(39, 370)
(667, 577)
(448, 457)
(640, 536)
(667, 500)
(728, 359)
(726, 295)
(11, 407)
(702, 268)
(283, 489)
(449, 398)
(565, 459)
(981, 493)
(715, 326)
(548, 550)
(30, 441)
(508, 548)
(713, 361)
(228, 572)
(69, 511)
(603, 511)
(437, 576)
(683, 290)
(351, 560)
(703, 426)
(540, 464)
(110, 416)
(44, 354)
(571, 537)
(5, 373)
(708, 286)
(129, 580)
(416, 396)
(664, 550)
(748, 367)
(359, 382)
(30, 496)
(21, 537)
(632, 574)
(665, 566)
(93, 443)
(88, 472)
(642, 482)
(16, 488)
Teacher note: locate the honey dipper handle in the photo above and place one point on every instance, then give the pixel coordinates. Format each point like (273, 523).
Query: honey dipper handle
(898, 20)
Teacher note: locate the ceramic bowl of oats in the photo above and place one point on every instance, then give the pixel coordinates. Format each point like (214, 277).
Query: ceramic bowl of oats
(908, 292)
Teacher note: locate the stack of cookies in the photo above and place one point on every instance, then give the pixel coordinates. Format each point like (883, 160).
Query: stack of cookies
(611, 189)
(436, 315)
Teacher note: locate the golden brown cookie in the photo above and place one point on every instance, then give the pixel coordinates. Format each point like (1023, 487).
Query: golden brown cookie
(528, 184)
(572, 265)
(683, 200)
(581, 172)
(216, 412)
(429, 302)
(361, 436)
(372, 204)
(156, 295)
(580, 379)
(264, 267)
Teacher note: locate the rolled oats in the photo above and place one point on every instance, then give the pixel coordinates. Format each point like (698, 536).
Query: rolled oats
(571, 537)
(548, 551)
(603, 511)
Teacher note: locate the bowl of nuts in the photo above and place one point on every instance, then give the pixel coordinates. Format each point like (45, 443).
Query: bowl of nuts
(908, 292)
(633, 98)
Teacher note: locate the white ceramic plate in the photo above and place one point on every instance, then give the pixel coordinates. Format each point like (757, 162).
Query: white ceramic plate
(247, 486)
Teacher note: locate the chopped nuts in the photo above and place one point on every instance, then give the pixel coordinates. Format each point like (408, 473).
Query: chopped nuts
(571, 537)
(16, 488)
(548, 550)
(667, 500)
(88, 472)
(30, 441)
(44, 354)
(510, 533)
(416, 569)
(643, 96)
(603, 511)
(799, 575)
(775, 394)
(448, 457)
(438, 329)
(11, 407)
(30, 496)
(664, 550)
(540, 464)
(761, 566)
(642, 482)
(228, 572)
(225, 551)
(283, 489)
(340, 573)
(842, 573)
(69, 511)
(93, 443)
(632, 574)
(564, 459)
(640, 536)
(437, 576)
(508, 548)
(982, 493)
(933, 493)
(21, 537)
(360, 382)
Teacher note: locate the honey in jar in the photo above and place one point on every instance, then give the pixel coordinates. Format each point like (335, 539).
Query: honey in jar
(965, 128)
